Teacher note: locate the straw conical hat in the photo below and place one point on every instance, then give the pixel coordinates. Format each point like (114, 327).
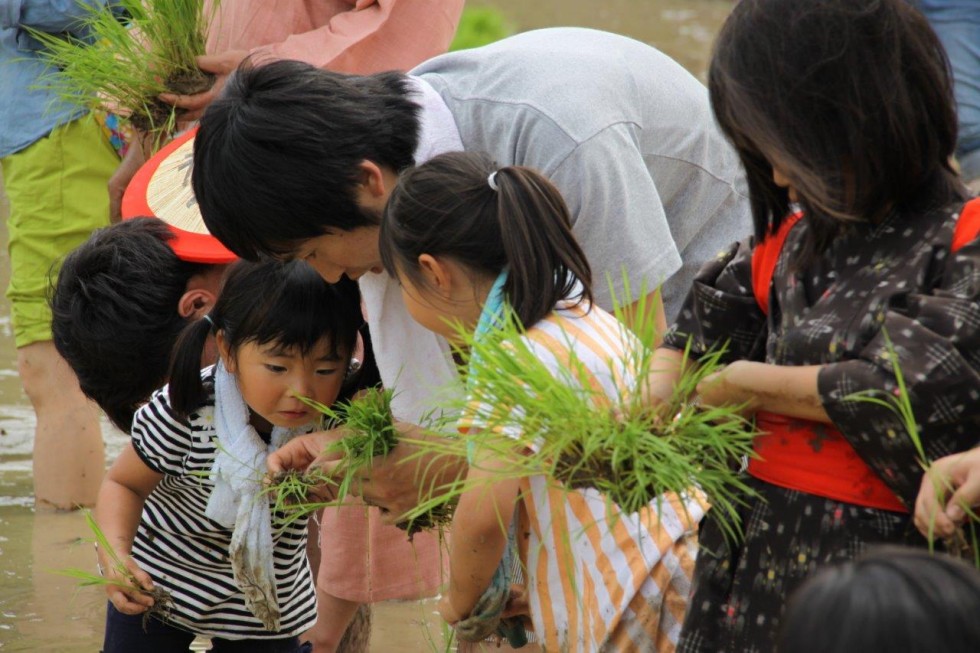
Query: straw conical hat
(161, 188)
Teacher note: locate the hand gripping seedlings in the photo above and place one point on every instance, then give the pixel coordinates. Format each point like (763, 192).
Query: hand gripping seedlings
(965, 541)
(124, 54)
(161, 598)
(371, 433)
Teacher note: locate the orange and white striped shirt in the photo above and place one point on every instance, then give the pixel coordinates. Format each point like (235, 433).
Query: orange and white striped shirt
(599, 579)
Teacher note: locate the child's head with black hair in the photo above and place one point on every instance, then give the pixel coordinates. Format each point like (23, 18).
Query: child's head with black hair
(900, 600)
(120, 301)
(459, 212)
(282, 331)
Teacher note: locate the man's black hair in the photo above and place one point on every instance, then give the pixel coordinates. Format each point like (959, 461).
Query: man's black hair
(277, 156)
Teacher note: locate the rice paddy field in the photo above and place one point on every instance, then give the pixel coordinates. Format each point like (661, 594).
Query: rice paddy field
(42, 611)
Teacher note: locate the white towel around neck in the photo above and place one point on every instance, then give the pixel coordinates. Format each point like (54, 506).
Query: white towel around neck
(236, 501)
(412, 360)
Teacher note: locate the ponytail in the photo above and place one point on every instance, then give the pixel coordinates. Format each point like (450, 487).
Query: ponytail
(187, 392)
(546, 263)
(457, 206)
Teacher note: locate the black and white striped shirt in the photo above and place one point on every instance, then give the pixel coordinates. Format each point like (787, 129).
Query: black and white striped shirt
(186, 553)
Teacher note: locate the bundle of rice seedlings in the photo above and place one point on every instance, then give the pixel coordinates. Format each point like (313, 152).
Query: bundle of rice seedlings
(131, 52)
(290, 494)
(372, 433)
(965, 541)
(162, 601)
(533, 422)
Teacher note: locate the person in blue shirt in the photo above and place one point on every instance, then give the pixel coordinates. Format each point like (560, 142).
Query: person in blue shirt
(957, 23)
(56, 160)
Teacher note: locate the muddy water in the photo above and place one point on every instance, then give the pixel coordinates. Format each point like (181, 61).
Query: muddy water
(42, 611)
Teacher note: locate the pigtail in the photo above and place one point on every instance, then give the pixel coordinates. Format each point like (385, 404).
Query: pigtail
(187, 392)
(545, 262)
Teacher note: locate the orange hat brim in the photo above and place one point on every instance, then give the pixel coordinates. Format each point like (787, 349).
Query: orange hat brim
(161, 188)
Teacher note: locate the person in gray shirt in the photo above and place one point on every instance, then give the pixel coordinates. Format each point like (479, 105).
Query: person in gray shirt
(297, 162)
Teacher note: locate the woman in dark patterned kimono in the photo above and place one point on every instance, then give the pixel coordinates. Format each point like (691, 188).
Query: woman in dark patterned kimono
(841, 110)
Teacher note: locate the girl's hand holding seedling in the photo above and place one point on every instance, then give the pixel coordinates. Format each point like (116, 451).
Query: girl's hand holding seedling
(387, 483)
(305, 451)
(124, 490)
(949, 488)
(392, 482)
(124, 594)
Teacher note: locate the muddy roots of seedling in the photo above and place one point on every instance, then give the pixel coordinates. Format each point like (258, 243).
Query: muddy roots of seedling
(190, 82)
(156, 112)
(636, 460)
(162, 605)
(288, 488)
(292, 496)
(620, 483)
(579, 474)
(959, 545)
(437, 518)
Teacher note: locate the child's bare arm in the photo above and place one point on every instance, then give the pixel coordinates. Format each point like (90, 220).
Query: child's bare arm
(477, 538)
(118, 510)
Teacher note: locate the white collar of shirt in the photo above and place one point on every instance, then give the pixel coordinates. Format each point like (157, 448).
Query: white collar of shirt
(437, 133)
(413, 361)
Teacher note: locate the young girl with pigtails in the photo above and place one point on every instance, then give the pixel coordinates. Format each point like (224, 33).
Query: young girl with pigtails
(183, 504)
(466, 240)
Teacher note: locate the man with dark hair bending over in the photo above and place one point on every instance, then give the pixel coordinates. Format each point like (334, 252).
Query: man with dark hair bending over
(299, 163)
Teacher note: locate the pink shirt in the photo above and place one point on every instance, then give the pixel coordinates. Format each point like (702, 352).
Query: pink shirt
(350, 36)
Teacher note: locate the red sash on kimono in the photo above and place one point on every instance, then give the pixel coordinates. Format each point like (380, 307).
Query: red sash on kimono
(810, 456)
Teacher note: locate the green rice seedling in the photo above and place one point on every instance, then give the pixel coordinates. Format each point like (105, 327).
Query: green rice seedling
(372, 433)
(129, 53)
(291, 494)
(965, 541)
(162, 601)
(371, 429)
(534, 422)
(442, 642)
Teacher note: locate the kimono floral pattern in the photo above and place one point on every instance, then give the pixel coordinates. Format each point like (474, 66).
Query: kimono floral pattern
(880, 288)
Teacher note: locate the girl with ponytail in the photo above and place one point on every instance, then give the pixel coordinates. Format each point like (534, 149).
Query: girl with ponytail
(467, 241)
